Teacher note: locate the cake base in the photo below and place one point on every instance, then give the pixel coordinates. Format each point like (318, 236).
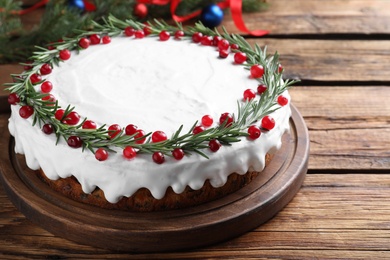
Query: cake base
(193, 227)
(143, 201)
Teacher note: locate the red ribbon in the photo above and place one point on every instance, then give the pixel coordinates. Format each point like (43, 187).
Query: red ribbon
(234, 5)
(27, 10)
(236, 10)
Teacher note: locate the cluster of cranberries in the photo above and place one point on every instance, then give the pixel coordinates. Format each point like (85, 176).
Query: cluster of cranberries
(224, 48)
(267, 122)
(129, 152)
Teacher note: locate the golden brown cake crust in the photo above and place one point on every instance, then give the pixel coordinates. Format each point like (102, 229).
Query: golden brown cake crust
(142, 200)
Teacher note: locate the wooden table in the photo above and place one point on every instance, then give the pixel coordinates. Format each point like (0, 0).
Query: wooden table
(340, 50)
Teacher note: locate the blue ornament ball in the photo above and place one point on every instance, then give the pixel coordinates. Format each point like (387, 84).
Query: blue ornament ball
(79, 4)
(211, 16)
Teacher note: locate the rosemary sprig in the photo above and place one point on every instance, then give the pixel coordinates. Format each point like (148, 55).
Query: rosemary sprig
(248, 112)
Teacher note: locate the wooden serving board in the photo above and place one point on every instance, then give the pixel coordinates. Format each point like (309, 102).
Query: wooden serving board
(203, 225)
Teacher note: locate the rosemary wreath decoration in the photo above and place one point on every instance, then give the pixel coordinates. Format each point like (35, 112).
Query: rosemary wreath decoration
(249, 112)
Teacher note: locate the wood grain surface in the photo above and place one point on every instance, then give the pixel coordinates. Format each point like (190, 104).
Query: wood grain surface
(340, 51)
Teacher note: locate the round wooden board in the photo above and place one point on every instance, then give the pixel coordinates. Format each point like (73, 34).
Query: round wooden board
(203, 225)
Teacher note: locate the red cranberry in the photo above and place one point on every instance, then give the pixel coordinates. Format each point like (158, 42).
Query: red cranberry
(159, 136)
(85, 42)
(158, 157)
(227, 119)
(13, 99)
(114, 130)
(75, 141)
(214, 145)
(89, 124)
(129, 152)
(48, 129)
(178, 153)
(26, 111)
(101, 154)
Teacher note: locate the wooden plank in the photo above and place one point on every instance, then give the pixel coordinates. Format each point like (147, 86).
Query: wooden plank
(331, 60)
(348, 126)
(292, 17)
(333, 215)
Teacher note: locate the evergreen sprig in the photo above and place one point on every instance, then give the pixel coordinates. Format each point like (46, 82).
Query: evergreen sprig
(61, 19)
(248, 112)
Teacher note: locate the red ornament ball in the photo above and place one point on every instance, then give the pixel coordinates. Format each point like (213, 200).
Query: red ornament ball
(26, 111)
(158, 157)
(129, 152)
(101, 154)
(140, 10)
(267, 123)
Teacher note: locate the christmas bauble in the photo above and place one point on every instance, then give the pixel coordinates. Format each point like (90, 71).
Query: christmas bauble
(79, 4)
(211, 16)
(140, 10)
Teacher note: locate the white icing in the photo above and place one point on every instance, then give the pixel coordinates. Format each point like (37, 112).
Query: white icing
(156, 86)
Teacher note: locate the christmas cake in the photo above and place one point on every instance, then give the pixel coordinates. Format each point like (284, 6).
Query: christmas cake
(149, 117)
